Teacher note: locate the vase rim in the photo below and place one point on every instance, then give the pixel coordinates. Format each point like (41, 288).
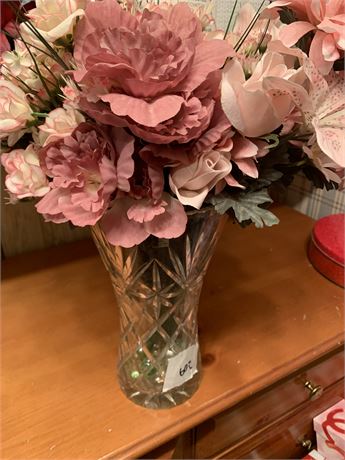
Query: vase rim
(200, 211)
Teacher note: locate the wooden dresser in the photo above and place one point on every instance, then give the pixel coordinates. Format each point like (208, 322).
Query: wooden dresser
(271, 334)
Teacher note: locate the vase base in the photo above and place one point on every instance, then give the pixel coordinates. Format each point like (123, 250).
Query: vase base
(166, 400)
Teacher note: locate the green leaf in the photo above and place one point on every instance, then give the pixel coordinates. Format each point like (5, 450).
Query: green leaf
(266, 178)
(317, 178)
(246, 207)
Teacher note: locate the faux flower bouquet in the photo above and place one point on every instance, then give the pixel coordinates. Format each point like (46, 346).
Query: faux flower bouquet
(128, 113)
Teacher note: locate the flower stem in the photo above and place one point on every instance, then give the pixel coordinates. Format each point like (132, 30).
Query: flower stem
(230, 19)
(40, 114)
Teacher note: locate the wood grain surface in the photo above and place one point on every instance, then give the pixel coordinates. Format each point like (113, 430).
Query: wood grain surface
(260, 413)
(264, 313)
(283, 438)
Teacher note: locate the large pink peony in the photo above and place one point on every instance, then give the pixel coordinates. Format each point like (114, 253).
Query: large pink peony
(154, 73)
(216, 137)
(86, 168)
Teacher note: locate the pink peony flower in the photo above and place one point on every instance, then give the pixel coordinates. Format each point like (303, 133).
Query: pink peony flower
(59, 123)
(251, 108)
(86, 169)
(216, 137)
(326, 18)
(130, 222)
(192, 183)
(154, 72)
(24, 177)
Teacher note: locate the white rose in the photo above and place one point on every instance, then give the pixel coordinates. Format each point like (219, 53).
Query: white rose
(192, 183)
(59, 124)
(53, 19)
(25, 177)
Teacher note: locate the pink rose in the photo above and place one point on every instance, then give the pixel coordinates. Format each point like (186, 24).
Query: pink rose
(130, 222)
(15, 111)
(192, 183)
(86, 169)
(24, 177)
(251, 108)
(60, 123)
(154, 73)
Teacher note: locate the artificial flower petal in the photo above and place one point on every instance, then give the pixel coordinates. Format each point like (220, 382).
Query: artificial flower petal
(170, 224)
(145, 113)
(119, 229)
(316, 54)
(291, 33)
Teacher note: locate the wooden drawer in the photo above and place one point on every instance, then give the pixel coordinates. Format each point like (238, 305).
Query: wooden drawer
(283, 438)
(245, 419)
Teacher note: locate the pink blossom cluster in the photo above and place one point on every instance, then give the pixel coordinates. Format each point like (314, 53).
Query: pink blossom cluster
(155, 112)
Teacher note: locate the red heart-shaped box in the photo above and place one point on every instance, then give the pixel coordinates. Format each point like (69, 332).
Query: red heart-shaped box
(326, 247)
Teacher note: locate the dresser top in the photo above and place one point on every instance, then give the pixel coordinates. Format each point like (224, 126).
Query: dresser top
(264, 313)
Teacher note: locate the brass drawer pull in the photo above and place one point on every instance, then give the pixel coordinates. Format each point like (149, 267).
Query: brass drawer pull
(315, 391)
(306, 444)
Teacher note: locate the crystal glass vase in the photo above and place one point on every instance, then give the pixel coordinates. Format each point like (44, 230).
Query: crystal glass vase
(157, 286)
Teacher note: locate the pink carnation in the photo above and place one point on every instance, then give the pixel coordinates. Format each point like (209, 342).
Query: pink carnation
(86, 168)
(154, 72)
(24, 177)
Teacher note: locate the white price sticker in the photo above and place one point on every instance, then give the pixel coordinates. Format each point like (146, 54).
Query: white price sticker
(181, 368)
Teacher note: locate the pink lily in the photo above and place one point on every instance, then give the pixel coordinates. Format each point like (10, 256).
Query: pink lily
(323, 108)
(326, 18)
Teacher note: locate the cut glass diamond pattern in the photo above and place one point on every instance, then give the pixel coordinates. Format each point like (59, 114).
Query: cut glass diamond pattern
(157, 286)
